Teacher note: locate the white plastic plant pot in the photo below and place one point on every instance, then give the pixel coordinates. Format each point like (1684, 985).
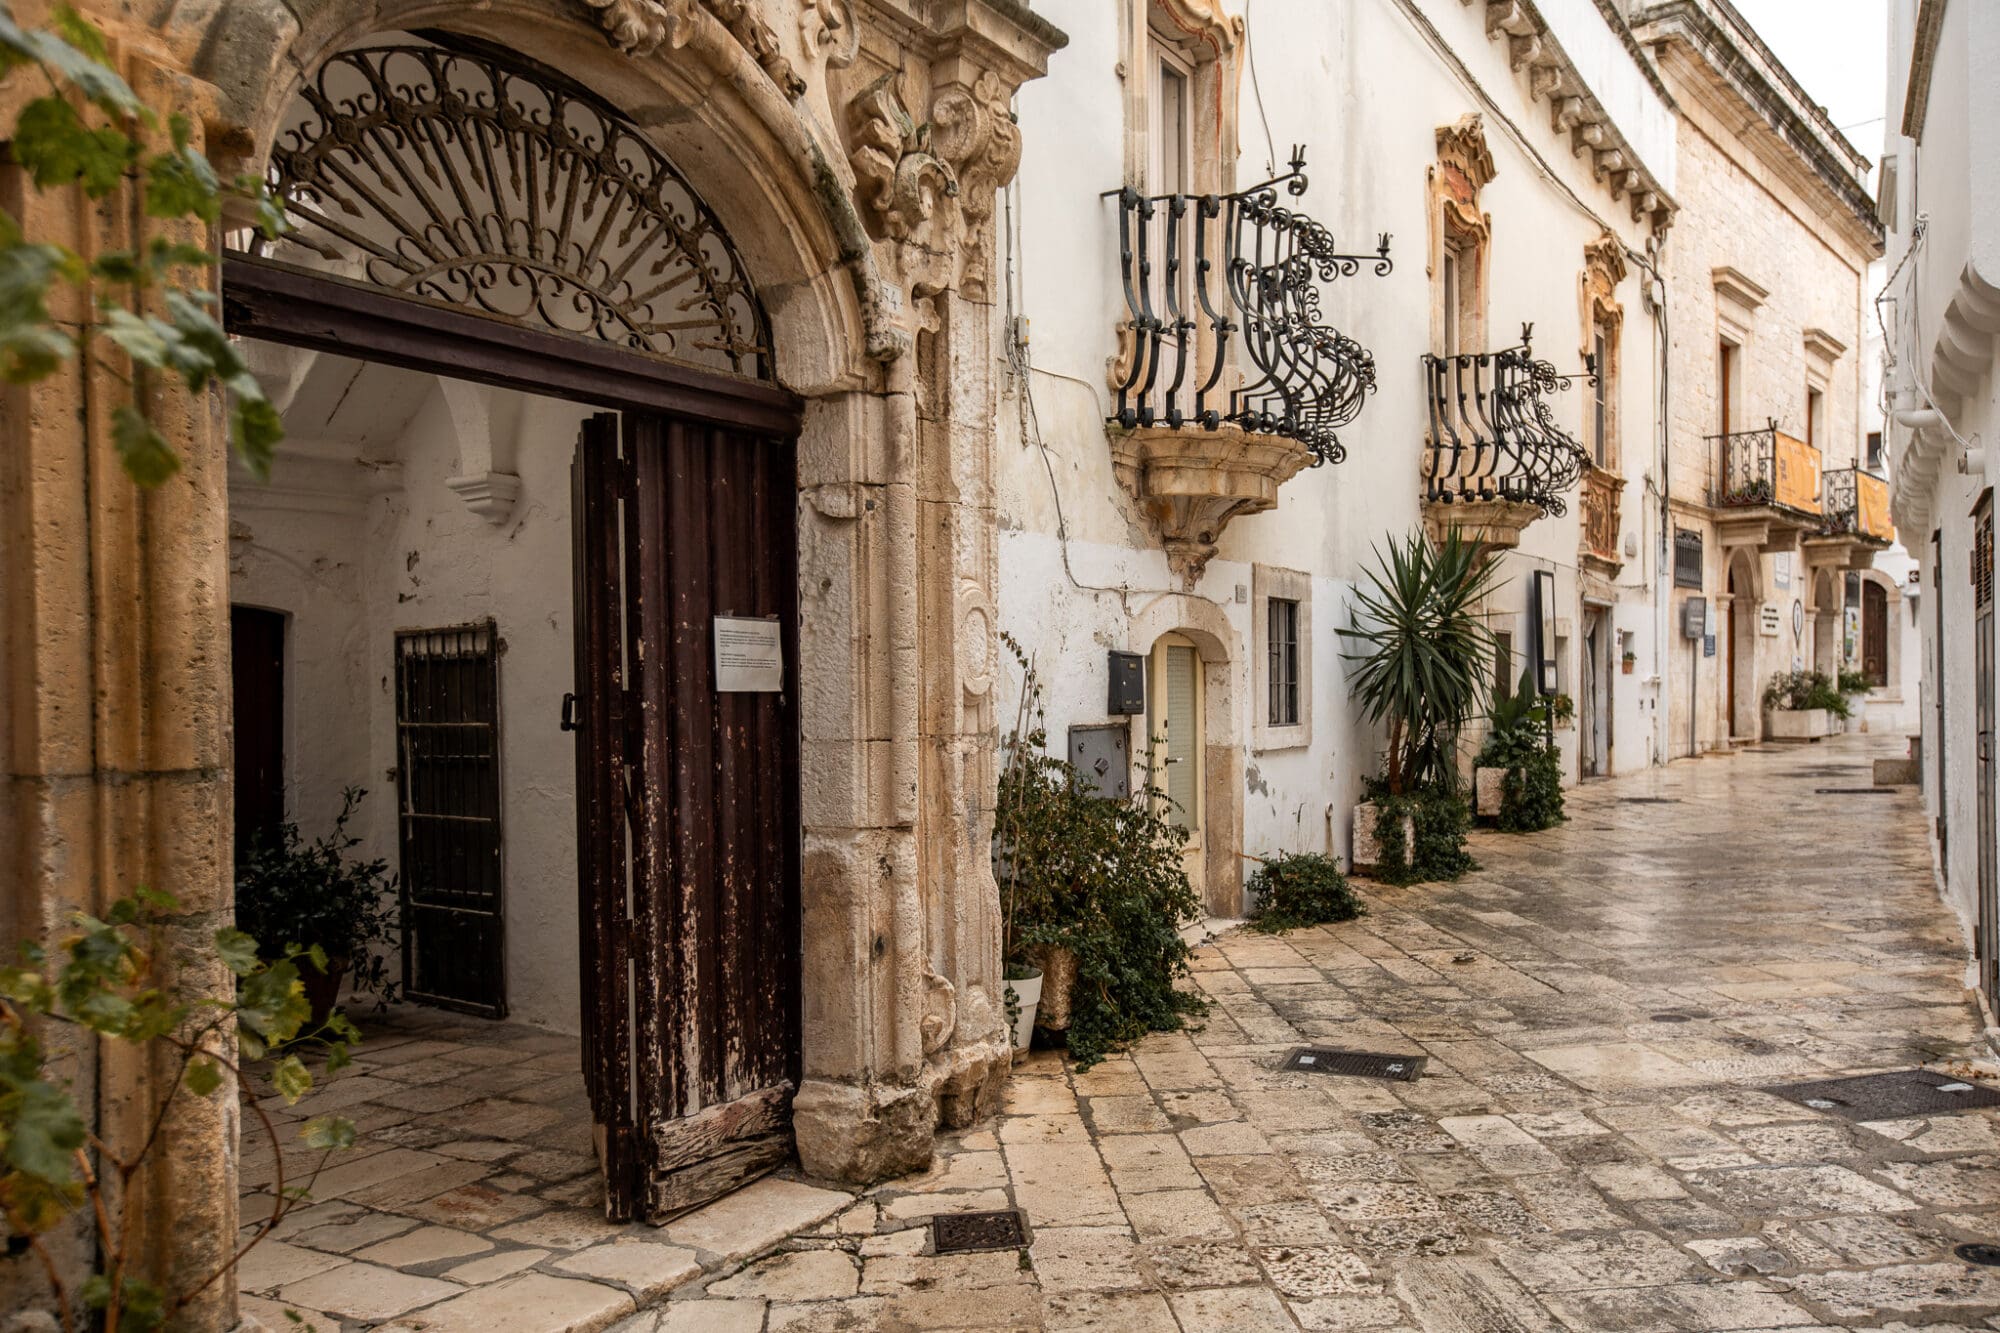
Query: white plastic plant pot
(1026, 993)
(1800, 724)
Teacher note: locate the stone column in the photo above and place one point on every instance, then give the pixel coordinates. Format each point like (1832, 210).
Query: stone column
(114, 632)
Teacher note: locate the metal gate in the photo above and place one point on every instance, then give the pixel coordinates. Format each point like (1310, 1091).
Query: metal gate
(688, 822)
(448, 801)
(1982, 637)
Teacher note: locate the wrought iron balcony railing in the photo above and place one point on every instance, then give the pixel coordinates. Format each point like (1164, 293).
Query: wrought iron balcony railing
(1492, 435)
(1766, 468)
(1855, 503)
(1200, 269)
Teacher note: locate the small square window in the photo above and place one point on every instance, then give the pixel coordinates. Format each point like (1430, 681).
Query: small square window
(1874, 451)
(1283, 638)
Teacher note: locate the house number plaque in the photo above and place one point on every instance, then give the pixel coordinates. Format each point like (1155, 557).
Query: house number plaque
(749, 656)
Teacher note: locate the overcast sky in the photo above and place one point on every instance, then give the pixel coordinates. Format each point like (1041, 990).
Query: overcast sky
(1838, 49)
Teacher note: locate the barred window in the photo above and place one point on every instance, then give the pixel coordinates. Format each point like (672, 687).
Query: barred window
(1283, 638)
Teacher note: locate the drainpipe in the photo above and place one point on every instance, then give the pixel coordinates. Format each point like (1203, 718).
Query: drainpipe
(1663, 584)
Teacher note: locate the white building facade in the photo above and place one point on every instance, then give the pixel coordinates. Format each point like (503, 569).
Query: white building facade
(1941, 309)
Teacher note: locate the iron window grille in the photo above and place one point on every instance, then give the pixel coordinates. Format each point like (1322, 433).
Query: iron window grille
(1492, 433)
(1197, 271)
(1282, 631)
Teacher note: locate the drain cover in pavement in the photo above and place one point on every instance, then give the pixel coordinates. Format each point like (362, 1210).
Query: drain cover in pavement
(1987, 1256)
(1906, 1092)
(1680, 1015)
(1854, 791)
(1648, 800)
(1354, 1064)
(963, 1233)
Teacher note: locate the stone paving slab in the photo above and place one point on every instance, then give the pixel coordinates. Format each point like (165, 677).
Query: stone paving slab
(1589, 1148)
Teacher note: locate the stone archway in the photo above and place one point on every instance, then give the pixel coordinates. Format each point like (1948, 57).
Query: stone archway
(1743, 709)
(1204, 624)
(877, 278)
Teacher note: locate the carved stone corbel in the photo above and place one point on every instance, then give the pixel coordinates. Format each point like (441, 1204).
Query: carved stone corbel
(760, 40)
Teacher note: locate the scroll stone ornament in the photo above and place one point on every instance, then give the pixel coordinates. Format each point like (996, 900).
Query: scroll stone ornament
(901, 178)
(976, 134)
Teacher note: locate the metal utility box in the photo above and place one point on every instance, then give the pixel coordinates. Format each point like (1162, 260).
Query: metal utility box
(1694, 617)
(1102, 757)
(1128, 684)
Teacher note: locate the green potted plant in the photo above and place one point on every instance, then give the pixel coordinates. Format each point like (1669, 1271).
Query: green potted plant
(1418, 650)
(314, 895)
(1517, 776)
(1094, 893)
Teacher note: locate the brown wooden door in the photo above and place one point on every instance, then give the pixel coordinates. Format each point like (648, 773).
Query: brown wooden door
(1874, 633)
(688, 825)
(257, 702)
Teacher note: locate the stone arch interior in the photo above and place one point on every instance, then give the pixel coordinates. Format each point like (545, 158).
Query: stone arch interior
(1744, 702)
(418, 341)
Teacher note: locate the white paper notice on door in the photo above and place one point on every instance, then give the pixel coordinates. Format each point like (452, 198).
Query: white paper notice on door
(749, 656)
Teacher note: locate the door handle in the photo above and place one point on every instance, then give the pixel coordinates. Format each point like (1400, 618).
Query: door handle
(568, 720)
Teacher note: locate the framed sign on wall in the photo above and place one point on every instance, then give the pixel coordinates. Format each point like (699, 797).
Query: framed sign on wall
(1542, 610)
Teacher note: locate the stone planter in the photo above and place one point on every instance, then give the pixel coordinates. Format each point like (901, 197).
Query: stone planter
(1367, 851)
(1027, 993)
(1488, 791)
(1799, 724)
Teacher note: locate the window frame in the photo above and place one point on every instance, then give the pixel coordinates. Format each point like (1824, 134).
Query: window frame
(1273, 584)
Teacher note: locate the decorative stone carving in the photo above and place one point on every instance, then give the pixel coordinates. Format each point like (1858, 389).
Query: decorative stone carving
(976, 134)
(907, 171)
(759, 39)
(900, 178)
(1496, 525)
(1191, 483)
(641, 27)
(828, 26)
(1461, 149)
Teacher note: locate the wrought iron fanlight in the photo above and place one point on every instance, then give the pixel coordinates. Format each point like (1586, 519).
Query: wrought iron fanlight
(474, 178)
(1492, 434)
(1199, 269)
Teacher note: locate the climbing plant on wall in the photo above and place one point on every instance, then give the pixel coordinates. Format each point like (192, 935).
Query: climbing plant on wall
(144, 315)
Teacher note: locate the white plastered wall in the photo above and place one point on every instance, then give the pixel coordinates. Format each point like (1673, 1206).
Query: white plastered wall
(357, 536)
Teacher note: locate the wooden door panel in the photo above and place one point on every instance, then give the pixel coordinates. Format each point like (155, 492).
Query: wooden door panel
(702, 525)
(257, 707)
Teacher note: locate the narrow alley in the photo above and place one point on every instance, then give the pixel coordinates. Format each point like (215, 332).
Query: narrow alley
(1591, 1144)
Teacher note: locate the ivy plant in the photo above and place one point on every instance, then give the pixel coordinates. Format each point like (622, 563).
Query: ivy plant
(1299, 889)
(105, 980)
(152, 313)
(1098, 875)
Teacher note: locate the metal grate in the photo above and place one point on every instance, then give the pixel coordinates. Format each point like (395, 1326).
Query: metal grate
(1854, 791)
(1986, 1256)
(1890, 1096)
(967, 1233)
(448, 785)
(1648, 800)
(1354, 1064)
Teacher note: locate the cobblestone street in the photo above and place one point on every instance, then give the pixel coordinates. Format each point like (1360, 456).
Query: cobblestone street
(1587, 1149)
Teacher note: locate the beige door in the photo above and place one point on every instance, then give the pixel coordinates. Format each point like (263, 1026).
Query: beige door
(1176, 729)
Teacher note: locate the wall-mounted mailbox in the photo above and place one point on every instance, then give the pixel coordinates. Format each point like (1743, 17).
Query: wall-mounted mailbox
(1694, 617)
(1128, 684)
(1102, 757)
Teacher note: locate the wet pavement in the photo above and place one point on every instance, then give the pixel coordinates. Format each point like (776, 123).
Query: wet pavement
(1589, 1147)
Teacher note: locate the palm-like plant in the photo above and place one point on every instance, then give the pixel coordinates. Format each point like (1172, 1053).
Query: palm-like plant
(1420, 652)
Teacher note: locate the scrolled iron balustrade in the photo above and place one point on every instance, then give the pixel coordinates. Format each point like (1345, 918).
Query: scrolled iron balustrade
(1493, 436)
(1749, 460)
(1230, 264)
(1840, 503)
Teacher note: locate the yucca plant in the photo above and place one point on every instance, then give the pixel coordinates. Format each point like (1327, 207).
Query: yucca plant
(1419, 651)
